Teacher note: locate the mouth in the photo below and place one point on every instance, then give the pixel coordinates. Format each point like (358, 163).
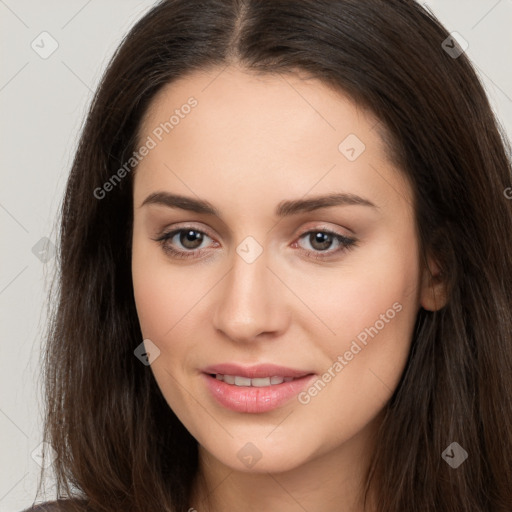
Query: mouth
(256, 389)
(260, 382)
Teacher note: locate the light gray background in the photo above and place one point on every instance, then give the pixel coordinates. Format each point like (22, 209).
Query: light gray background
(43, 103)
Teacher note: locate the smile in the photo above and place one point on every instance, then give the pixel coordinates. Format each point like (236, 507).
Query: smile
(245, 381)
(254, 395)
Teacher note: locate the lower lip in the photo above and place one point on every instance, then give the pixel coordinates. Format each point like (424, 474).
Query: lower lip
(253, 399)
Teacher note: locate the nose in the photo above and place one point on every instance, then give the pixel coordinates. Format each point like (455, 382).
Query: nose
(250, 303)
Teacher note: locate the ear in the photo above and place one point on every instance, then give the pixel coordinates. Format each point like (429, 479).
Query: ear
(433, 293)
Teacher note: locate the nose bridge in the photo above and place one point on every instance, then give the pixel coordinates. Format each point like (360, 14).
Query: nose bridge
(249, 303)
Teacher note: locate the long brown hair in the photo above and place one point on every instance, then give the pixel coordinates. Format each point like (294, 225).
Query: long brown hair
(119, 445)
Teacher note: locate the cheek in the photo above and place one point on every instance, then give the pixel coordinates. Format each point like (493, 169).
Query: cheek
(152, 292)
(165, 301)
(372, 308)
(371, 301)
(164, 293)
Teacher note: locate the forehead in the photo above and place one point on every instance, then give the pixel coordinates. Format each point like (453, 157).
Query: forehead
(232, 96)
(251, 132)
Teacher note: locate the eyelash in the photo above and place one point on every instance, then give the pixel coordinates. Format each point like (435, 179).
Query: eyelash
(346, 243)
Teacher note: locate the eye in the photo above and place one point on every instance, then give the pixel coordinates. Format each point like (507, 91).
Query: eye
(189, 238)
(321, 240)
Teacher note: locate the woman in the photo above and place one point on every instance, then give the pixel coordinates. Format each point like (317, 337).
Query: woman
(285, 271)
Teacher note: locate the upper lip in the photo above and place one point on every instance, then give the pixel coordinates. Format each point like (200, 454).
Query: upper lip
(255, 371)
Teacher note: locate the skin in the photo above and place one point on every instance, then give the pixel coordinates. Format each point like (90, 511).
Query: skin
(251, 142)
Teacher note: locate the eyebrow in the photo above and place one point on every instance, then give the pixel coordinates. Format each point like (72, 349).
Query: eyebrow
(284, 208)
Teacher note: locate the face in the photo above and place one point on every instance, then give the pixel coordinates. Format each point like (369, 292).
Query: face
(250, 267)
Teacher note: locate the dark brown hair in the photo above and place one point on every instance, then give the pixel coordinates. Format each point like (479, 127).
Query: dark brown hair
(119, 445)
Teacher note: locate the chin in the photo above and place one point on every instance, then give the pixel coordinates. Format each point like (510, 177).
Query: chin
(259, 455)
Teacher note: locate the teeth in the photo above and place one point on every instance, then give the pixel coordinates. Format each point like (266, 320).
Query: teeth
(242, 381)
(263, 381)
(258, 382)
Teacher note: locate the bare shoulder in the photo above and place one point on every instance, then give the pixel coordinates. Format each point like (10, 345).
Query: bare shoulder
(59, 506)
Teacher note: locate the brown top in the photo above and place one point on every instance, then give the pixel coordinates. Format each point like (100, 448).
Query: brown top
(43, 507)
(66, 505)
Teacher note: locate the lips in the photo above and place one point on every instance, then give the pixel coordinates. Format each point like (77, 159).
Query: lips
(254, 389)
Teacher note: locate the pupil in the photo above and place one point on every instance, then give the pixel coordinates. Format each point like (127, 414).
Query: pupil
(323, 239)
(190, 237)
